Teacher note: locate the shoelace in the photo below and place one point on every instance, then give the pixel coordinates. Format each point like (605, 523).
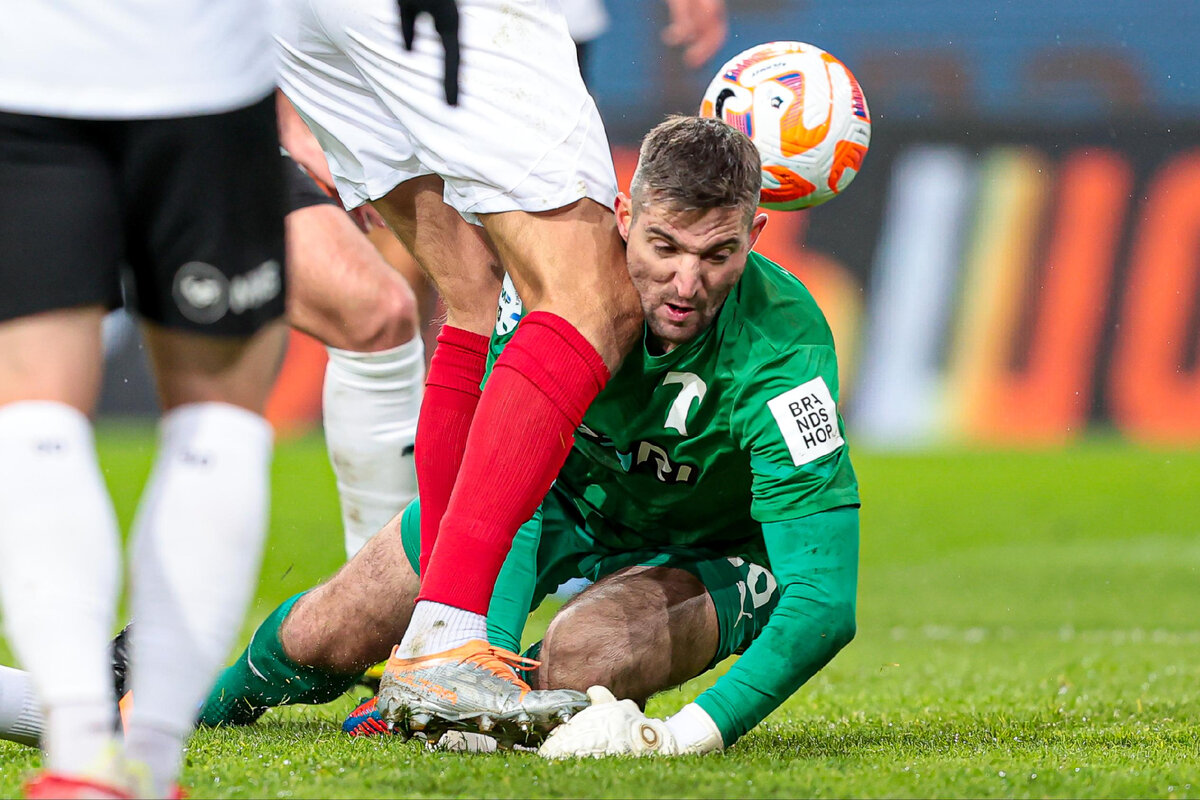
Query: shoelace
(502, 663)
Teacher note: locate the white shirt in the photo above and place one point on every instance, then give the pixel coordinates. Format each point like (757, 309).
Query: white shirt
(121, 59)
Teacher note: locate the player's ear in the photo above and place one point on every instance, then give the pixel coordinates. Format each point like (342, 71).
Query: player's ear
(756, 227)
(624, 210)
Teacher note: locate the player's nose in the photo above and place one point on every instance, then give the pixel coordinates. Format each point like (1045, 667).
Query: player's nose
(687, 279)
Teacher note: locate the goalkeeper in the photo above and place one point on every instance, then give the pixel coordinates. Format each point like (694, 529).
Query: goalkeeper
(709, 496)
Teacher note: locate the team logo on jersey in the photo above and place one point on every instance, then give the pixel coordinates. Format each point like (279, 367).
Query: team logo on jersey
(510, 311)
(692, 389)
(201, 292)
(807, 418)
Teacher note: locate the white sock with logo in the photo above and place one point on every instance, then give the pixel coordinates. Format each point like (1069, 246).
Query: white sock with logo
(196, 552)
(59, 573)
(370, 407)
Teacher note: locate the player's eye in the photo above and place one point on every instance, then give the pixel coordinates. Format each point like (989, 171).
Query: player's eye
(664, 249)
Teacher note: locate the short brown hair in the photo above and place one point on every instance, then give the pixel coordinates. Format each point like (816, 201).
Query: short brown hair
(695, 163)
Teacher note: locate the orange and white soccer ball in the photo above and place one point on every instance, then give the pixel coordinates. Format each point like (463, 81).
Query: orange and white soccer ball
(803, 110)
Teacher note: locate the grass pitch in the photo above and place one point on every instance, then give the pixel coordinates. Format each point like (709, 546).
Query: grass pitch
(1029, 626)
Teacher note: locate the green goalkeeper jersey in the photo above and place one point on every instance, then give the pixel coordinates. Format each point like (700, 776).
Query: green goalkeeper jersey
(732, 443)
(733, 429)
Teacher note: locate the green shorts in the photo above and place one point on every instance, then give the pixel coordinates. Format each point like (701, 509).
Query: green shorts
(556, 546)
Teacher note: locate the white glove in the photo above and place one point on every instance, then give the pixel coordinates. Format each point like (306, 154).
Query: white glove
(611, 727)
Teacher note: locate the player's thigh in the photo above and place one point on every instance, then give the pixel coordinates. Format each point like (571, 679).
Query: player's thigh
(340, 290)
(571, 262)
(204, 206)
(455, 254)
(61, 232)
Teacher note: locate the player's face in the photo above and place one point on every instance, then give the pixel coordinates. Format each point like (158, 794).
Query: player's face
(684, 263)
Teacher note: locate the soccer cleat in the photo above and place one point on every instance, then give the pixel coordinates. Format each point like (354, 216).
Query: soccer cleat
(66, 787)
(110, 777)
(366, 721)
(474, 688)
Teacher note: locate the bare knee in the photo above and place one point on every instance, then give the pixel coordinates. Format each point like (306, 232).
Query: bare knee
(638, 631)
(388, 320)
(579, 651)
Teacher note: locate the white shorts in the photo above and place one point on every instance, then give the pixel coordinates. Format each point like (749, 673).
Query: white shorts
(526, 134)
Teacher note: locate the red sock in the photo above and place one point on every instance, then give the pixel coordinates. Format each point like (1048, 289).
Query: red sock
(451, 395)
(538, 391)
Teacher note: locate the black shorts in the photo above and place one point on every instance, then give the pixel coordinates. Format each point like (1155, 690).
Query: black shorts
(303, 190)
(192, 206)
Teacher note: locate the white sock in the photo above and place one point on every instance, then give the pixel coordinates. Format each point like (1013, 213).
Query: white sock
(370, 407)
(21, 717)
(59, 557)
(437, 627)
(196, 551)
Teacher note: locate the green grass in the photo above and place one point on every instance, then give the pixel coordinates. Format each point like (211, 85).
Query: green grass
(1029, 626)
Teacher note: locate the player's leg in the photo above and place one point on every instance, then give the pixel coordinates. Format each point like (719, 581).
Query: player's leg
(547, 152)
(636, 632)
(59, 550)
(21, 718)
(582, 316)
(467, 275)
(341, 292)
(315, 645)
(397, 256)
(652, 626)
(204, 199)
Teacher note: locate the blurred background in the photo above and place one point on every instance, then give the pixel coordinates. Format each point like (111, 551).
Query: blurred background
(1018, 262)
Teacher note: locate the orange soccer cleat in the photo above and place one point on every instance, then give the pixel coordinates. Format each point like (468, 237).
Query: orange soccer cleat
(475, 688)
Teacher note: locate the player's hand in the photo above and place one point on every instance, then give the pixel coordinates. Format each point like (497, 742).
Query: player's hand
(445, 22)
(612, 727)
(698, 26)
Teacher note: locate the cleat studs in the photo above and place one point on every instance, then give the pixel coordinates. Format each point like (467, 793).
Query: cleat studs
(564, 716)
(524, 721)
(485, 723)
(418, 721)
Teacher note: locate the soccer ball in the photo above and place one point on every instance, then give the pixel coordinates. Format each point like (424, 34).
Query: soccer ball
(803, 110)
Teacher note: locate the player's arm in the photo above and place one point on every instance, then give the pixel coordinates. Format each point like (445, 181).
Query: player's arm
(815, 560)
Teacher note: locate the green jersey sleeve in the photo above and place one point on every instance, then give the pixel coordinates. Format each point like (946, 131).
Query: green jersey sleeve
(815, 560)
(786, 418)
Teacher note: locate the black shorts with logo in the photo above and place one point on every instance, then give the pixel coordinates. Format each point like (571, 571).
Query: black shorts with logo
(192, 207)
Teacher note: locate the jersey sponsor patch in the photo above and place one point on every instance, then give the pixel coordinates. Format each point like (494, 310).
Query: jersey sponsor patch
(807, 418)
